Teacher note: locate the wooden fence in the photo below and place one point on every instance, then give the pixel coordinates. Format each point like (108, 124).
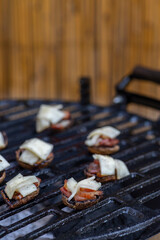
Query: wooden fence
(47, 45)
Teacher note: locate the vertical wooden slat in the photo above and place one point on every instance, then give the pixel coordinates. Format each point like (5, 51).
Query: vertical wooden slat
(45, 46)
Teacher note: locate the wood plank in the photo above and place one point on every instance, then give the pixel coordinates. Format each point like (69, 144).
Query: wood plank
(46, 46)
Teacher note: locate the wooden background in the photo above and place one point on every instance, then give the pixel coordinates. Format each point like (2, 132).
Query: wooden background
(46, 45)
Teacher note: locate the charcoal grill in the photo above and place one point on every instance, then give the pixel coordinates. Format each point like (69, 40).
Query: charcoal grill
(130, 208)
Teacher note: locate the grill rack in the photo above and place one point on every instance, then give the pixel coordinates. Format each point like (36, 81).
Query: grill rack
(130, 208)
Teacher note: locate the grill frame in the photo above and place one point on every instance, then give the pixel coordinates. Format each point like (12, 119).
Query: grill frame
(128, 210)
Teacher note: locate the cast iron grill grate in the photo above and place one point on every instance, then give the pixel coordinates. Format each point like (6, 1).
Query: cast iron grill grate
(130, 208)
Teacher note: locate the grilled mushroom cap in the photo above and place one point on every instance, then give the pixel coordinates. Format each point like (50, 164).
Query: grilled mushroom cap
(80, 205)
(104, 150)
(103, 179)
(17, 203)
(38, 165)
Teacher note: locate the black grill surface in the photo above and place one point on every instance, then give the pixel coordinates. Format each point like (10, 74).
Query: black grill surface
(130, 208)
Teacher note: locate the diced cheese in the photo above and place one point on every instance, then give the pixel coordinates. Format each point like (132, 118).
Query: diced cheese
(3, 163)
(107, 164)
(88, 183)
(122, 170)
(20, 183)
(38, 147)
(105, 131)
(28, 157)
(50, 114)
(2, 142)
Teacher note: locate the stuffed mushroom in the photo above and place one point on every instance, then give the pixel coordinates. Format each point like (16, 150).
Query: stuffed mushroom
(35, 154)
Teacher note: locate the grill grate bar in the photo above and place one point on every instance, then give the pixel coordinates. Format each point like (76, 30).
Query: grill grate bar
(126, 231)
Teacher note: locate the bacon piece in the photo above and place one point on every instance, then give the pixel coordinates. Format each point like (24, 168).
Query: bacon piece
(65, 184)
(86, 190)
(18, 196)
(108, 142)
(65, 192)
(59, 126)
(96, 161)
(82, 195)
(88, 195)
(79, 198)
(67, 115)
(93, 168)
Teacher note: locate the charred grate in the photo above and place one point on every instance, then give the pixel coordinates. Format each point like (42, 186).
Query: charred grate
(129, 207)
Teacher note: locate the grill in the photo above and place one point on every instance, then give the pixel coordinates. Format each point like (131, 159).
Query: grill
(130, 208)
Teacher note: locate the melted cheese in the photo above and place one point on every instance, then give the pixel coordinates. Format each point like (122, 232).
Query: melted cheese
(15, 180)
(122, 170)
(92, 141)
(27, 189)
(88, 183)
(28, 157)
(105, 131)
(48, 115)
(42, 124)
(71, 184)
(10, 188)
(38, 147)
(107, 164)
(21, 184)
(2, 142)
(3, 163)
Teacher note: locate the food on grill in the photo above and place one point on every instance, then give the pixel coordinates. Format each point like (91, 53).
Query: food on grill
(19, 190)
(52, 117)
(3, 165)
(35, 153)
(103, 141)
(106, 169)
(81, 195)
(3, 140)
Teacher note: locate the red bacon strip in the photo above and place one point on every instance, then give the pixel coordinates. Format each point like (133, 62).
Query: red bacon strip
(18, 196)
(107, 142)
(82, 195)
(59, 126)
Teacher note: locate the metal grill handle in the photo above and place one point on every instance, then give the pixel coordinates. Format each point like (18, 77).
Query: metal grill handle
(140, 73)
